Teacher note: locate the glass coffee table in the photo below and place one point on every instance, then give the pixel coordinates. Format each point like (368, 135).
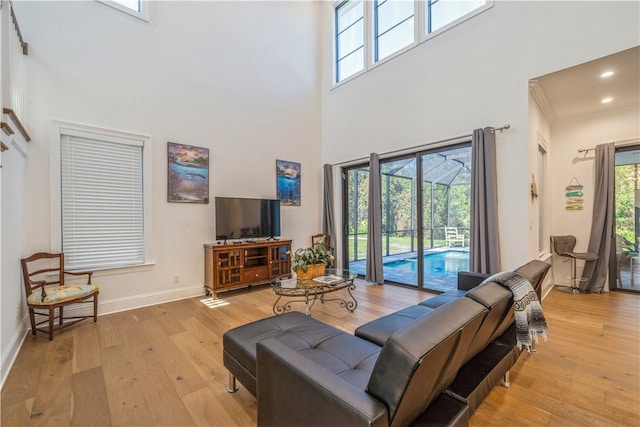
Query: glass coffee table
(309, 291)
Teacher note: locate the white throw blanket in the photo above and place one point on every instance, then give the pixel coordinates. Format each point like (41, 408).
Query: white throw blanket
(530, 321)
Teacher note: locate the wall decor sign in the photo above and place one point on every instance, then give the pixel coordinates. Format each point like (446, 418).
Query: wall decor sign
(188, 173)
(574, 195)
(288, 182)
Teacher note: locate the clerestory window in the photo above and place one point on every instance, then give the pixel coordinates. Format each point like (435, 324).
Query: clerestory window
(349, 38)
(440, 13)
(137, 8)
(394, 26)
(369, 32)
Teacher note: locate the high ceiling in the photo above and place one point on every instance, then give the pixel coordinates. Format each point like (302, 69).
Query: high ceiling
(571, 92)
(579, 90)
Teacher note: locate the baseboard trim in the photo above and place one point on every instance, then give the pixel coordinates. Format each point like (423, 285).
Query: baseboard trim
(117, 305)
(104, 307)
(9, 356)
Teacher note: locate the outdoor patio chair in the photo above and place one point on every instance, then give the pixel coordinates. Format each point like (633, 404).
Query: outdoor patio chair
(626, 252)
(452, 236)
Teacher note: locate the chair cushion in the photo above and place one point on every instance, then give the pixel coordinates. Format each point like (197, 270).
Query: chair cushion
(56, 294)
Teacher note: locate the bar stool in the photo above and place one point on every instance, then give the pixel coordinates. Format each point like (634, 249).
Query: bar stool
(563, 246)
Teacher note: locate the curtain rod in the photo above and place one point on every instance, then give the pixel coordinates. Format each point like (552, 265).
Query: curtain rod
(622, 143)
(505, 127)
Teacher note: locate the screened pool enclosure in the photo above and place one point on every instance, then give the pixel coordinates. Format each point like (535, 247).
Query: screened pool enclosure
(425, 217)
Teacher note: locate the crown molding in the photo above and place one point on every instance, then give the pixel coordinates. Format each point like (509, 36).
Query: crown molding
(537, 92)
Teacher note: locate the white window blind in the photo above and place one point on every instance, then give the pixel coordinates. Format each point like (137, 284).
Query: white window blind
(101, 202)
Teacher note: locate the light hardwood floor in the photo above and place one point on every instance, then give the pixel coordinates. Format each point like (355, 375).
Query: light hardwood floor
(162, 365)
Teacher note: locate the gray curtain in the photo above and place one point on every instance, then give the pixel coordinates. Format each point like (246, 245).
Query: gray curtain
(328, 225)
(484, 252)
(374, 234)
(594, 274)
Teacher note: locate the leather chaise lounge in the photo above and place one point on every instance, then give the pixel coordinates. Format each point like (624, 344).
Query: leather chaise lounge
(429, 364)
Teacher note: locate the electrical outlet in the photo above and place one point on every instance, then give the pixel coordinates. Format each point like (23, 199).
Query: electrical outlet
(176, 278)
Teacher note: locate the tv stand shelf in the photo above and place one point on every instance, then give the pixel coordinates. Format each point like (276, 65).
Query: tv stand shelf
(238, 265)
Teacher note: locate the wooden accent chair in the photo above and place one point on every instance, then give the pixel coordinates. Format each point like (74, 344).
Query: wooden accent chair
(325, 239)
(44, 285)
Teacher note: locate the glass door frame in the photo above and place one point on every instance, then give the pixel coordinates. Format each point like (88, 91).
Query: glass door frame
(613, 257)
(418, 197)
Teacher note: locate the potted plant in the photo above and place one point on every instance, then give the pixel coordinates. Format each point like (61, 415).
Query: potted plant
(310, 262)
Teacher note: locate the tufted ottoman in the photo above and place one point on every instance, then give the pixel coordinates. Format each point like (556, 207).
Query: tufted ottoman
(345, 355)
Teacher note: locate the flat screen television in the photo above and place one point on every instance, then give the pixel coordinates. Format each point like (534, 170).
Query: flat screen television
(241, 218)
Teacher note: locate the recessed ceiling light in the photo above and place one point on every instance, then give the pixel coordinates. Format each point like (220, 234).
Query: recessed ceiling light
(606, 100)
(606, 74)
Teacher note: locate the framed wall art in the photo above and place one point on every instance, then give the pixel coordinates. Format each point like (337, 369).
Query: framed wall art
(288, 182)
(188, 173)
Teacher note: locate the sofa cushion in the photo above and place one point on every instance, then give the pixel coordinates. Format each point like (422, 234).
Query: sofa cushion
(466, 281)
(421, 360)
(499, 302)
(296, 391)
(443, 298)
(379, 330)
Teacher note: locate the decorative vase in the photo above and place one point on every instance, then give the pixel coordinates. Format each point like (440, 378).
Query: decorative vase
(313, 271)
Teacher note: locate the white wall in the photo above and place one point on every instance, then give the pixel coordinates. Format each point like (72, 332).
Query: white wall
(13, 224)
(240, 78)
(472, 76)
(12, 219)
(539, 134)
(566, 163)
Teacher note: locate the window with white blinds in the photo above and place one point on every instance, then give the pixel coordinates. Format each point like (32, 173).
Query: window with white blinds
(102, 202)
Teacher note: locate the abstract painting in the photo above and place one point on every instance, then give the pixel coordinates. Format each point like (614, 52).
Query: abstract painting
(288, 182)
(188, 173)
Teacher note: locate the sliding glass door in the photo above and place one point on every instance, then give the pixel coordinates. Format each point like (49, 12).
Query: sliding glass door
(356, 205)
(446, 215)
(398, 179)
(625, 263)
(425, 217)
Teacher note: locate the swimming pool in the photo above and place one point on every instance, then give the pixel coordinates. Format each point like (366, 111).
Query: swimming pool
(447, 263)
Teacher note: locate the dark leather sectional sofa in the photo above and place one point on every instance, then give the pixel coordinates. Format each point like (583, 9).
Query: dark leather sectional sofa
(429, 364)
